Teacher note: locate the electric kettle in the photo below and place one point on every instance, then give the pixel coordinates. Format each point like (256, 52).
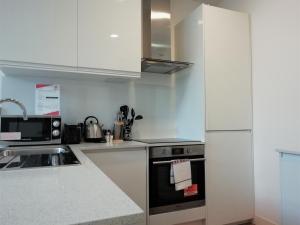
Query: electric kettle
(93, 130)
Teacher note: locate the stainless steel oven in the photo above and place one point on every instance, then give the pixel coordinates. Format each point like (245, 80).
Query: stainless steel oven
(37, 130)
(162, 194)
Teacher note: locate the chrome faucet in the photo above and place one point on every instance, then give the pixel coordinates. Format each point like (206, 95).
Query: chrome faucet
(3, 145)
(17, 103)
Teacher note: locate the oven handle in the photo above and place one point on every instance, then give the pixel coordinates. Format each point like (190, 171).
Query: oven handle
(169, 162)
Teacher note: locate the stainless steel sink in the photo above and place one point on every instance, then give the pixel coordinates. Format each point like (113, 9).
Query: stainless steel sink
(34, 150)
(37, 156)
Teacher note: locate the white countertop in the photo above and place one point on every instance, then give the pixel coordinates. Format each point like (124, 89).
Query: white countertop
(133, 144)
(176, 144)
(80, 194)
(125, 144)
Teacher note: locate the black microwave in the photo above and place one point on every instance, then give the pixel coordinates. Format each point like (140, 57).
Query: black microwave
(37, 130)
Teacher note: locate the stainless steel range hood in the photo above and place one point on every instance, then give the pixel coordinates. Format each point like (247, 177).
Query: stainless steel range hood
(157, 39)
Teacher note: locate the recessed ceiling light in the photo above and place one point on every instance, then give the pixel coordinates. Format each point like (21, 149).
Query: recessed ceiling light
(160, 15)
(114, 35)
(155, 45)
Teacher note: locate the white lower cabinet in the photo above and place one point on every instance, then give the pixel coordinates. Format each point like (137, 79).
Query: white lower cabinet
(128, 169)
(194, 216)
(229, 177)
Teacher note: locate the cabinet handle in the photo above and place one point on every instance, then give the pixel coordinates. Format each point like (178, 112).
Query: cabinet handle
(170, 161)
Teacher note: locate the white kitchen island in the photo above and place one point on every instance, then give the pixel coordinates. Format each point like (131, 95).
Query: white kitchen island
(80, 194)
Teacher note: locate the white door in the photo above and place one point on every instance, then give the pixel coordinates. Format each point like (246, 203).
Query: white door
(227, 69)
(127, 168)
(109, 34)
(36, 31)
(229, 177)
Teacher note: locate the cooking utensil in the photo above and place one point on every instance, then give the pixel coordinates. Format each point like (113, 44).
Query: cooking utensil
(93, 130)
(139, 117)
(118, 127)
(125, 110)
(132, 117)
(132, 113)
(127, 122)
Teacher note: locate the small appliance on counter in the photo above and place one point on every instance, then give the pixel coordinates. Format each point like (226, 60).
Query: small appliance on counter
(36, 130)
(71, 134)
(93, 130)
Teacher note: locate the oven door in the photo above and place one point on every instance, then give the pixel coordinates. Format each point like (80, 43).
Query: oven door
(35, 129)
(163, 196)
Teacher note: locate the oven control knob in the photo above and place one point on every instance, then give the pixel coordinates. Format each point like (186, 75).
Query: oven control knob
(55, 133)
(56, 123)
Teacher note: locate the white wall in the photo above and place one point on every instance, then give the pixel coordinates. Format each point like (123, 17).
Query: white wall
(153, 98)
(276, 90)
(181, 8)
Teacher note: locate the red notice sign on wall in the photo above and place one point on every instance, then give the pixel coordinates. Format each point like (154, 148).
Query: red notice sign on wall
(47, 99)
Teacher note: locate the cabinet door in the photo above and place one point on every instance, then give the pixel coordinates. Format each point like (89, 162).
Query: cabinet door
(229, 177)
(227, 69)
(127, 168)
(37, 31)
(109, 34)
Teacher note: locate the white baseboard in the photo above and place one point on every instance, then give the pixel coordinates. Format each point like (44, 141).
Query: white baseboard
(263, 221)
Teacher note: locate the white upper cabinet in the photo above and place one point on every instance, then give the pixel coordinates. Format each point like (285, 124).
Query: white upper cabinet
(217, 42)
(39, 32)
(227, 69)
(109, 34)
(96, 37)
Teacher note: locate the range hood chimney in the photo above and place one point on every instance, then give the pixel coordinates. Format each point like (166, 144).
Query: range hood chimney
(157, 38)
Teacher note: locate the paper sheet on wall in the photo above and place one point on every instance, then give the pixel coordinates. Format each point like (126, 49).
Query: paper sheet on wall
(47, 99)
